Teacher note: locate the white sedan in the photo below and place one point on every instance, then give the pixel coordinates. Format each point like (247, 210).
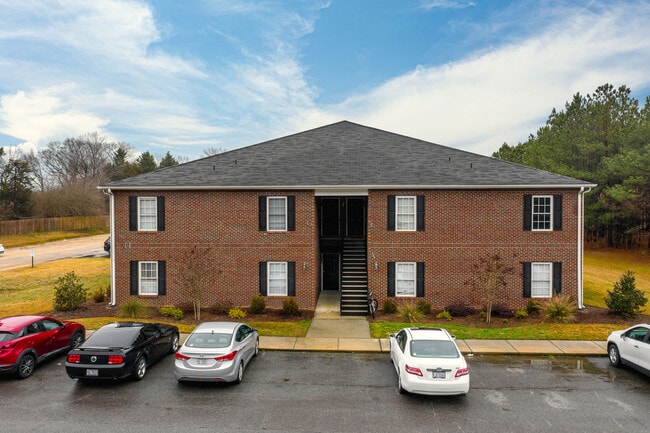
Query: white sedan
(2, 249)
(630, 347)
(427, 361)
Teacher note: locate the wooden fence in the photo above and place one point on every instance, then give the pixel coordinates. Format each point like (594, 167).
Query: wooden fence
(21, 227)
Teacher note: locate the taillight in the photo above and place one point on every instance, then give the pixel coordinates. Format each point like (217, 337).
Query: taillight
(182, 357)
(115, 359)
(462, 372)
(413, 370)
(228, 357)
(74, 358)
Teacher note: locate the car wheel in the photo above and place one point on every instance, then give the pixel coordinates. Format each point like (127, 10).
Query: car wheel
(240, 372)
(257, 347)
(76, 340)
(26, 366)
(399, 385)
(614, 355)
(140, 368)
(173, 347)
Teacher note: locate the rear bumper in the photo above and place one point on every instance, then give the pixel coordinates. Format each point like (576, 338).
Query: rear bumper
(417, 385)
(221, 373)
(84, 371)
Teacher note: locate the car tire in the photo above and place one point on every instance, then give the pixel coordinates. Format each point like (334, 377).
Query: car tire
(76, 340)
(173, 346)
(140, 368)
(614, 355)
(26, 365)
(257, 347)
(240, 372)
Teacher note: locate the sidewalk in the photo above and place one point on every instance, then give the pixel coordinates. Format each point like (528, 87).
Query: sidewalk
(329, 332)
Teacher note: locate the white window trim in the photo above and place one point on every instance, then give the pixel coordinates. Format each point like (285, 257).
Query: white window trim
(140, 228)
(140, 280)
(268, 213)
(286, 278)
(397, 280)
(533, 213)
(397, 213)
(550, 279)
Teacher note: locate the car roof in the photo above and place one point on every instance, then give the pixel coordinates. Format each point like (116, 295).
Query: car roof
(223, 327)
(15, 323)
(428, 334)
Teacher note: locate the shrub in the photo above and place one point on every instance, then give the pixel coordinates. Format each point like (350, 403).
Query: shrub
(625, 300)
(220, 307)
(69, 293)
(503, 311)
(236, 313)
(521, 313)
(424, 307)
(174, 312)
(533, 306)
(290, 306)
(390, 306)
(444, 315)
(561, 308)
(410, 313)
(134, 308)
(258, 304)
(99, 295)
(460, 309)
(482, 315)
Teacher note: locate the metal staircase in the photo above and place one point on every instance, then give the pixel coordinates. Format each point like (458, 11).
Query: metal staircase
(354, 278)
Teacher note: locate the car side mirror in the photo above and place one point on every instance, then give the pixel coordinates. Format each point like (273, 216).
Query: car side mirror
(391, 335)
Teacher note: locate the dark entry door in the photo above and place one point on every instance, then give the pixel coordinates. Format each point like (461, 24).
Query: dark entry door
(331, 271)
(356, 216)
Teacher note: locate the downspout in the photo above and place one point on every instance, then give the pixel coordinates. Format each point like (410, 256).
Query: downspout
(113, 300)
(581, 245)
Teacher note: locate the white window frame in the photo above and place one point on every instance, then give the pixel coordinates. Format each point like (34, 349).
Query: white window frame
(535, 225)
(150, 223)
(280, 227)
(277, 284)
(541, 280)
(406, 221)
(405, 279)
(147, 282)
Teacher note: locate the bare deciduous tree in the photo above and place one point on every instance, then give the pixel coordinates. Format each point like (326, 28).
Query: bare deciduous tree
(489, 279)
(194, 273)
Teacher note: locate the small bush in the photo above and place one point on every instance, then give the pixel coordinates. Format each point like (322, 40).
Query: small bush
(236, 313)
(290, 306)
(460, 309)
(533, 307)
(134, 308)
(482, 315)
(561, 309)
(174, 312)
(220, 307)
(625, 300)
(258, 304)
(521, 313)
(424, 307)
(503, 311)
(390, 306)
(69, 293)
(99, 296)
(444, 315)
(410, 314)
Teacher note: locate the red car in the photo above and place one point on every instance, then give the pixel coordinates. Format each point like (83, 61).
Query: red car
(27, 340)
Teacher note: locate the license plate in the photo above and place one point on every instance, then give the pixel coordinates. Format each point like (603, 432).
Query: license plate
(92, 372)
(201, 361)
(439, 375)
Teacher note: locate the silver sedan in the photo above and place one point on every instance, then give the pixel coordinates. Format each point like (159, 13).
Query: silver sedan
(216, 352)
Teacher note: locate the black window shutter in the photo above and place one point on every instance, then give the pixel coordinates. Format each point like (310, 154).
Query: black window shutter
(291, 213)
(391, 278)
(557, 212)
(391, 213)
(162, 277)
(420, 213)
(420, 280)
(263, 291)
(527, 279)
(135, 268)
(557, 277)
(528, 212)
(291, 278)
(160, 203)
(262, 213)
(133, 213)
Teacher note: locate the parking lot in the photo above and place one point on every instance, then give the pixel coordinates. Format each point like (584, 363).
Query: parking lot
(336, 392)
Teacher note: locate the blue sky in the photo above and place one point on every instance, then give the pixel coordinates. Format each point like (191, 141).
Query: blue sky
(184, 76)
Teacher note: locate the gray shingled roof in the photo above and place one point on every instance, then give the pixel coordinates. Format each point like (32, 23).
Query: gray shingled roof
(346, 155)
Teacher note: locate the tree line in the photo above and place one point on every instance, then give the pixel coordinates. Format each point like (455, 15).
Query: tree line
(603, 138)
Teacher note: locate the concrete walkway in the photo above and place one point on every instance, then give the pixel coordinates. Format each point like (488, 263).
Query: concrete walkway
(330, 332)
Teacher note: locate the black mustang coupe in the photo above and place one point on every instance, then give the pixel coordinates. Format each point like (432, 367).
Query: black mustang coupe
(121, 349)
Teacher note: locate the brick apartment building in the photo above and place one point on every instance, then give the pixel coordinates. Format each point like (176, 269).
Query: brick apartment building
(344, 208)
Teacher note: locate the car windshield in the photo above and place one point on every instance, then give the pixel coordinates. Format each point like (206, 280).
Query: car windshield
(113, 337)
(6, 336)
(208, 340)
(433, 349)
